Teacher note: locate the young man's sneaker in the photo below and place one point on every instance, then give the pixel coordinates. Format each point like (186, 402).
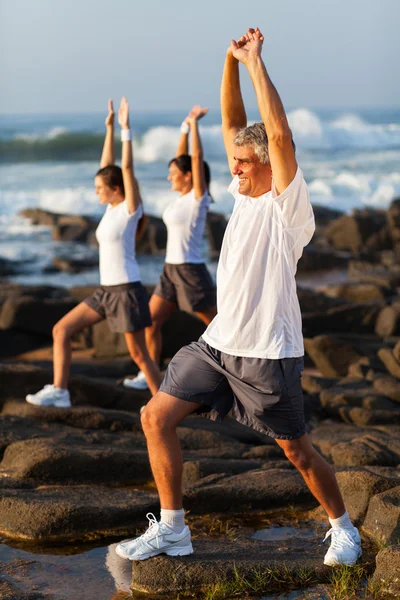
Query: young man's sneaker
(158, 539)
(50, 396)
(345, 548)
(138, 383)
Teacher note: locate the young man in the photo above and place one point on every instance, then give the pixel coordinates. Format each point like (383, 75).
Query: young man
(251, 356)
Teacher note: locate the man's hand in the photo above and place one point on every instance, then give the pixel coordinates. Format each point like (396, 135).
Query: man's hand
(123, 114)
(248, 47)
(196, 114)
(241, 42)
(110, 117)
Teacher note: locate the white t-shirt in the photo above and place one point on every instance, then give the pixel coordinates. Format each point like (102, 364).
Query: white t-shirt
(258, 309)
(116, 236)
(185, 218)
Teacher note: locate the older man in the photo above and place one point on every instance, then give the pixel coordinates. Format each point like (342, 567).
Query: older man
(250, 358)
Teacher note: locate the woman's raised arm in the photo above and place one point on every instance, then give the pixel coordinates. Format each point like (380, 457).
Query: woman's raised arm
(198, 173)
(108, 154)
(132, 193)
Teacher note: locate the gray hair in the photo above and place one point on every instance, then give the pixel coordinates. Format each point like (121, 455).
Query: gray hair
(254, 136)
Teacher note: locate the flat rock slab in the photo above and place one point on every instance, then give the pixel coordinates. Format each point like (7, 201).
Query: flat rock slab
(82, 417)
(217, 560)
(254, 489)
(65, 514)
(49, 461)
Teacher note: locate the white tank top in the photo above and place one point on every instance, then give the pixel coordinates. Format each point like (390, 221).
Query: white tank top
(116, 236)
(185, 219)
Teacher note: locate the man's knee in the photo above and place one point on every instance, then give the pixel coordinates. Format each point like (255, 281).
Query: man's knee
(152, 418)
(299, 456)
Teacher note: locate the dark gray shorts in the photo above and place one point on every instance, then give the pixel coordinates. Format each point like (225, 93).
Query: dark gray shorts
(125, 306)
(189, 285)
(262, 393)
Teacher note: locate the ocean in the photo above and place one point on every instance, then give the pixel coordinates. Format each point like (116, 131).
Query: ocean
(350, 159)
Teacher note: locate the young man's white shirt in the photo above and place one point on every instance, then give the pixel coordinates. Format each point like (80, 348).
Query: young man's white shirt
(185, 218)
(258, 309)
(116, 236)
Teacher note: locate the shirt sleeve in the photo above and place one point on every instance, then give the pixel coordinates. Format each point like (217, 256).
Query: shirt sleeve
(138, 214)
(234, 188)
(295, 211)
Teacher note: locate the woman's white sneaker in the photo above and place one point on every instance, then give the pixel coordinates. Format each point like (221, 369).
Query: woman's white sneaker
(50, 396)
(137, 383)
(158, 539)
(345, 548)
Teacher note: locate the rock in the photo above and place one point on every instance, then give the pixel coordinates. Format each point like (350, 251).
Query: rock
(388, 386)
(324, 215)
(318, 259)
(396, 352)
(32, 315)
(362, 272)
(351, 317)
(13, 342)
(37, 216)
(357, 487)
(47, 461)
(350, 232)
(369, 449)
(66, 514)
(194, 470)
(388, 321)
(216, 225)
(154, 238)
(81, 417)
(332, 358)
(364, 417)
(382, 521)
(356, 292)
(251, 490)
(388, 359)
(325, 436)
(387, 573)
(74, 265)
(381, 240)
(9, 591)
(221, 560)
(198, 439)
(315, 385)
(393, 217)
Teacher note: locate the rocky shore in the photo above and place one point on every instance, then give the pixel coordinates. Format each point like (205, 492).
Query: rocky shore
(69, 476)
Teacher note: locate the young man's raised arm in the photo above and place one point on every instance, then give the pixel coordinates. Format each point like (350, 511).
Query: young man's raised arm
(280, 148)
(233, 112)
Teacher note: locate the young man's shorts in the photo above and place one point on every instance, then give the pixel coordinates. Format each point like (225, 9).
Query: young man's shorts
(188, 285)
(262, 393)
(125, 306)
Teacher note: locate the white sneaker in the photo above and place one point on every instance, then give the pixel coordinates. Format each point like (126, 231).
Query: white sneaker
(50, 396)
(345, 548)
(138, 383)
(158, 539)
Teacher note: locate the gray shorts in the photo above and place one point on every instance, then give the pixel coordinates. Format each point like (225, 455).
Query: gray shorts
(262, 393)
(189, 285)
(125, 306)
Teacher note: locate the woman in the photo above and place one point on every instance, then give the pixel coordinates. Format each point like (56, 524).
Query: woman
(185, 282)
(121, 299)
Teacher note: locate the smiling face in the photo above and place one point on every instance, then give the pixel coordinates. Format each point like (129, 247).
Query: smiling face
(179, 181)
(255, 178)
(106, 194)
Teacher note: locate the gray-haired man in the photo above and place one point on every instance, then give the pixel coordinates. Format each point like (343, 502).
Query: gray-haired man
(250, 358)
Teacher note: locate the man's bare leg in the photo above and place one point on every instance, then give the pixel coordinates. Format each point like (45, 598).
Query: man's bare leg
(316, 472)
(160, 418)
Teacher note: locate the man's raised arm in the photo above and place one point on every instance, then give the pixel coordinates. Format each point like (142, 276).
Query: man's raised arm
(280, 148)
(232, 108)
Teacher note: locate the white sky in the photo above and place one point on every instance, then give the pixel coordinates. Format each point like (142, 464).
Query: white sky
(71, 55)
